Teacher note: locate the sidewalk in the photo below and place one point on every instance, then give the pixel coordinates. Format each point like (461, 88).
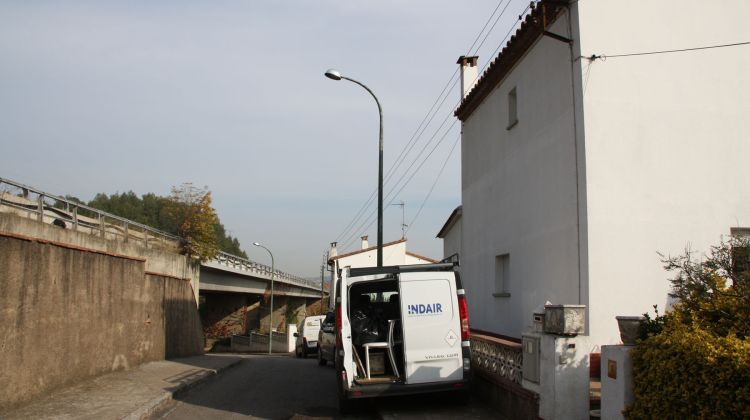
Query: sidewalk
(135, 394)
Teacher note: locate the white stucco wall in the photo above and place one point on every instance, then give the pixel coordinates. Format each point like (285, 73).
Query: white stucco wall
(394, 254)
(519, 192)
(666, 143)
(413, 259)
(452, 240)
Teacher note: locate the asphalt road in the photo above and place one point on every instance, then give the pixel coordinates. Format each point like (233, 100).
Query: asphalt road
(283, 387)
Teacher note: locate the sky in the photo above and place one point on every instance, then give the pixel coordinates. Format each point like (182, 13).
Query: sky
(110, 97)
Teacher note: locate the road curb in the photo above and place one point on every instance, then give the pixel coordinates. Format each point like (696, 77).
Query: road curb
(159, 405)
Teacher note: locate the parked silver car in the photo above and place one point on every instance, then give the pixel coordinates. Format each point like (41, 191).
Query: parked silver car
(327, 339)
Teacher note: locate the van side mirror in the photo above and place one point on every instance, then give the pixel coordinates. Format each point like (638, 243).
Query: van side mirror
(296, 334)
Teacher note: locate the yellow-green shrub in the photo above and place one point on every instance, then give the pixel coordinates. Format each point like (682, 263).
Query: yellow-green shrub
(687, 372)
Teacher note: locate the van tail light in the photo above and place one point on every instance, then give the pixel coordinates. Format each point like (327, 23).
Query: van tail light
(463, 313)
(339, 343)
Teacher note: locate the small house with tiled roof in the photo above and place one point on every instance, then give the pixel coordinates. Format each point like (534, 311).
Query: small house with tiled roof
(394, 253)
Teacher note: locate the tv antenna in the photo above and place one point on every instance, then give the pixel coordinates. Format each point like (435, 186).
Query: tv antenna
(403, 214)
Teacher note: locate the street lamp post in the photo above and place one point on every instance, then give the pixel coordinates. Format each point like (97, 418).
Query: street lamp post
(336, 75)
(270, 313)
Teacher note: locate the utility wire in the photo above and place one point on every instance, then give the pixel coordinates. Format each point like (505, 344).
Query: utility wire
(404, 151)
(409, 146)
(605, 57)
(371, 220)
(354, 234)
(368, 222)
(422, 126)
(420, 131)
(468, 52)
(495, 23)
(502, 43)
(445, 163)
(520, 17)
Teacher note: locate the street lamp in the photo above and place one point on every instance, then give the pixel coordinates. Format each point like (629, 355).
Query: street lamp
(334, 74)
(270, 313)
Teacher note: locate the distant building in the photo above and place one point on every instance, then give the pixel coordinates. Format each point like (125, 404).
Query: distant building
(450, 233)
(578, 169)
(394, 253)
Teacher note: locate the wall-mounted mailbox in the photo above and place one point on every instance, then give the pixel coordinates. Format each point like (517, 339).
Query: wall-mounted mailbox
(530, 358)
(564, 319)
(538, 322)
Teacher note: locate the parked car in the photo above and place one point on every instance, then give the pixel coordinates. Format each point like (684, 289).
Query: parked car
(400, 330)
(327, 339)
(307, 335)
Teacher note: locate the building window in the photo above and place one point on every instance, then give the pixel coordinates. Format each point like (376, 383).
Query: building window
(502, 276)
(512, 109)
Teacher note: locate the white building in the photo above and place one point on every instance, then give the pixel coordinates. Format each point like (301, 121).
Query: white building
(580, 163)
(450, 233)
(394, 253)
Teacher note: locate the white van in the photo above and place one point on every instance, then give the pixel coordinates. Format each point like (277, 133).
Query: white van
(400, 330)
(307, 335)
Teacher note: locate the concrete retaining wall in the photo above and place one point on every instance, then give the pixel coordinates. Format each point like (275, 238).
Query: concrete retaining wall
(157, 260)
(69, 311)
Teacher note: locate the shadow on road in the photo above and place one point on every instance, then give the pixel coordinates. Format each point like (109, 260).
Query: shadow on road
(269, 387)
(286, 387)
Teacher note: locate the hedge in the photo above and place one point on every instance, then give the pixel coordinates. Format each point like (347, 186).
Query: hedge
(686, 372)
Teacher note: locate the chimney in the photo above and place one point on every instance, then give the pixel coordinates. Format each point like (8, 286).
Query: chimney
(365, 244)
(332, 253)
(469, 73)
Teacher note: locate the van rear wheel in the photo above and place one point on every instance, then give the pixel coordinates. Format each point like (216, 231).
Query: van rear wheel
(461, 397)
(347, 406)
(321, 360)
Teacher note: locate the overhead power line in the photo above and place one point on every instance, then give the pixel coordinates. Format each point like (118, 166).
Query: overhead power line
(493, 25)
(404, 152)
(505, 38)
(468, 52)
(709, 47)
(422, 126)
(429, 193)
(371, 220)
(358, 225)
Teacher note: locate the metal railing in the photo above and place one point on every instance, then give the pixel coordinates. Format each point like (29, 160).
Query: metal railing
(61, 211)
(497, 357)
(253, 267)
(49, 208)
(256, 342)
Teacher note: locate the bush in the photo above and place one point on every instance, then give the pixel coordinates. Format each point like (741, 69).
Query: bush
(695, 361)
(687, 372)
(714, 293)
(652, 326)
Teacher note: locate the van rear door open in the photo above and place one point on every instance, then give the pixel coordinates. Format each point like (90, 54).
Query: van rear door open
(431, 327)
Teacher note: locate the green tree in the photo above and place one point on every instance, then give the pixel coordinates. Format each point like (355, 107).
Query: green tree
(227, 243)
(190, 209)
(159, 213)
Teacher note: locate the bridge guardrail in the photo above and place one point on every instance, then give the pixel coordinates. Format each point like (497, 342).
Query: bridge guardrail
(240, 263)
(54, 209)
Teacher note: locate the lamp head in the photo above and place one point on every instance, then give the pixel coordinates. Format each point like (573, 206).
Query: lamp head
(333, 74)
(256, 243)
